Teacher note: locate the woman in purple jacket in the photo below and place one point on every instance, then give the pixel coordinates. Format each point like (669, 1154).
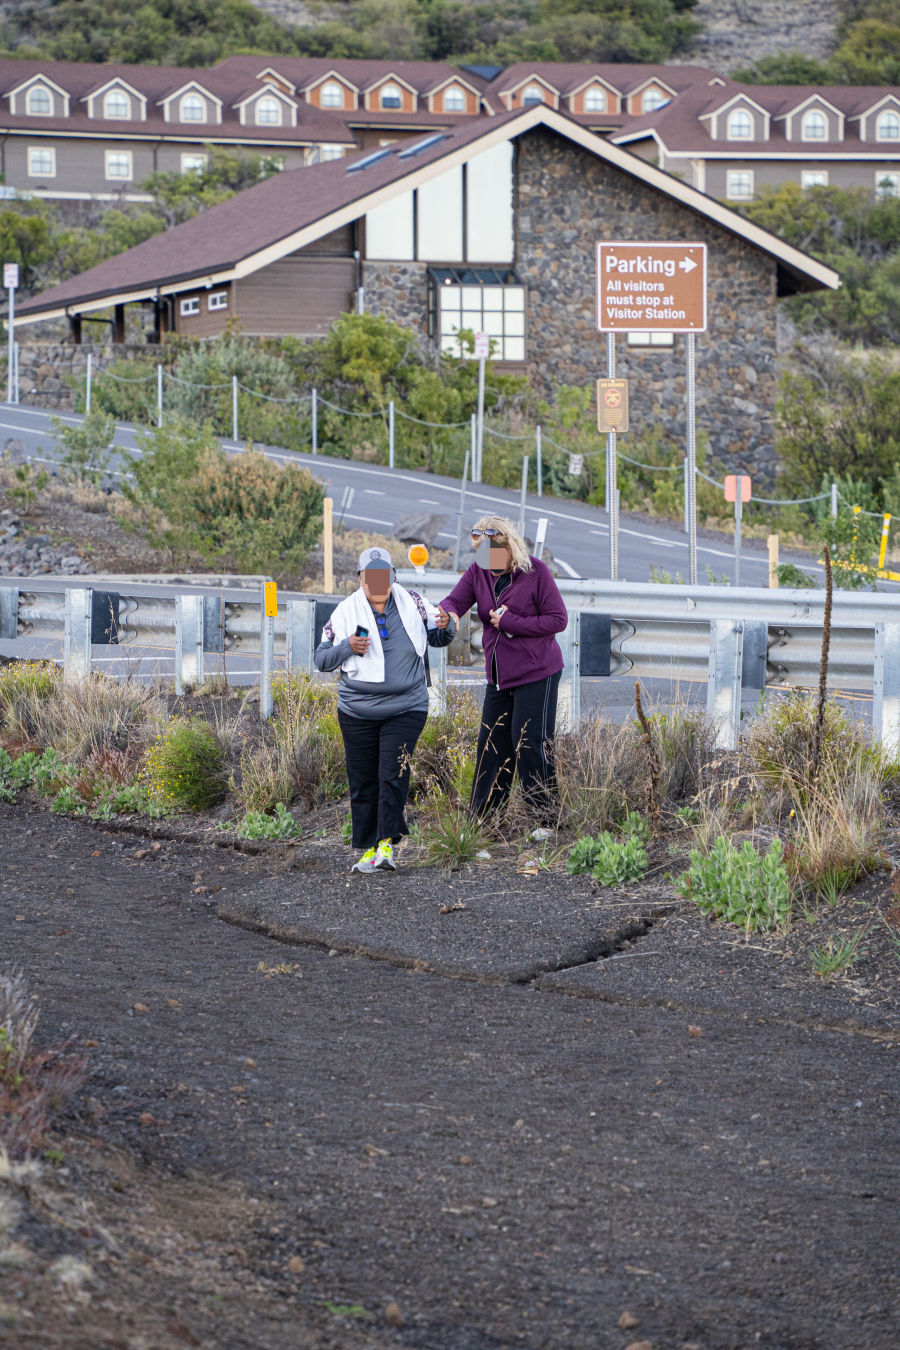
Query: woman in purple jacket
(521, 609)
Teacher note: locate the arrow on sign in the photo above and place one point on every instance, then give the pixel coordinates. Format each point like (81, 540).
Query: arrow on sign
(687, 264)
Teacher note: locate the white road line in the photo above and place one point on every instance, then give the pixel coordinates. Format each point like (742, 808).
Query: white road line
(373, 492)
(370, 520)
(570, 570)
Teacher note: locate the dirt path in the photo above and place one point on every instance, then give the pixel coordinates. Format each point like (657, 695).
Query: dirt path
(277, 1145)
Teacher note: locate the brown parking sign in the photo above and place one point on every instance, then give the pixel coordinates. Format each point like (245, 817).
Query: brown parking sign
(612, 405)
(653, 287)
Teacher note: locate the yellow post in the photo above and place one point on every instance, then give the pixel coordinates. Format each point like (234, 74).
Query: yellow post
(885, 527)
(773, 561)
(856, 511)
(328, 546)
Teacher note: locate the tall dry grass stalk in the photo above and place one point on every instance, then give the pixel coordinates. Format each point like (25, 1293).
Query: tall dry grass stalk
(84, 718)
(819, 727)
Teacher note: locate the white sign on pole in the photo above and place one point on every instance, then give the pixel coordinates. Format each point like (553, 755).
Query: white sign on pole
(540, 536)
(10, 276)
(482, 346)
(576, 464)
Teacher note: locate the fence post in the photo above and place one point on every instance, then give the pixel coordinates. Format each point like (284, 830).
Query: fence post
(522, 497)
(687, 500)
(723, 689)
(267, 614)
(234, 407)
(77, 641)
(315, 421)
(886, 696)
(437, 694)
(461, 513)
(569, 701)
(301, 635)
(834, 501)
(539, 461)
(16, 387)
(189, 615)
(473, 448)
(159, 395)
(391, 434)
(87, 382)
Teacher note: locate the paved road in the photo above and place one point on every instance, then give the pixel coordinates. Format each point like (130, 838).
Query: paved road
(578, 535)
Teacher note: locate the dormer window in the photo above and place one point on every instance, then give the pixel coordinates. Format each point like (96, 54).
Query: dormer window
(887, 128)
(391, 97)
(39, 103)
(193, 108)
(116, 104)
(454, 100)
(814, 126)
(332, 95)
(595, 100)
(268, 112)
(653, 99)
(740, 125)
(533, 94)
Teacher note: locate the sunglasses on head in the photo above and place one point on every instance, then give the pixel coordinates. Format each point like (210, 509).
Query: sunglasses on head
(490, 533)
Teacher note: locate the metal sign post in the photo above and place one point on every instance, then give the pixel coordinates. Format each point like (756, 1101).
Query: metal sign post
(654, 287)
(540, 536)
(525, 459)
(461, 513)
(11, 281)
(737, 489)
(612, 476)
(482, 352)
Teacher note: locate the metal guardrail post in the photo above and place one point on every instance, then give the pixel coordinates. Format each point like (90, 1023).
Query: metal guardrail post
(266, 656)
(886, 700)
(9, 612)
(301, 635)
(189, 616)
(437, 694)
(723, 691)
(569, 703)
(77, 641)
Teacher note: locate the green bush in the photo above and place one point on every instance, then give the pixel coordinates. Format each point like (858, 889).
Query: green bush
(739, 885)
(611, 861)
(280, 825)
(86, 447)
(185, 766)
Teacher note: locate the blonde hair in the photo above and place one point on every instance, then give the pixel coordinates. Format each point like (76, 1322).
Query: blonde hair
(518, 551)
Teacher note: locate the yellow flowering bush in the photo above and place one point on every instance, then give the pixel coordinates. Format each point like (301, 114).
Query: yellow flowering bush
(185, 766)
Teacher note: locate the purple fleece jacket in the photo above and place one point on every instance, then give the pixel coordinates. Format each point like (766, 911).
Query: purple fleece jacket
(525, 647)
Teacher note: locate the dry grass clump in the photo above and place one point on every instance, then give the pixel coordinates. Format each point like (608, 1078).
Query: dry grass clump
(33, 1083)
(77, 718)
(299, 755)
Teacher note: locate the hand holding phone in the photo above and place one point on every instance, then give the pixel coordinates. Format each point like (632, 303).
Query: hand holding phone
(359, 642)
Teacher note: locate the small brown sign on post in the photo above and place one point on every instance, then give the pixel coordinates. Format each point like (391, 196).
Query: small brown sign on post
(653, 287)
(612, 405)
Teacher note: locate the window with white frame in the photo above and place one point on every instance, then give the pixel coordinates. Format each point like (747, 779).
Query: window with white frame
(41, 162)
(318, 154)
(814, 126)
(193, 163)
(116, 104)
(648, 338)
(532, 94)
(39, 102)
(191, 305)
(813, 178)
(595, 99)
(390, 97)
(480, 300)
(217, 300)
(454, 100)
(740, 125)
(739, 184)
(887, 128)
(653, 99)
(268, 112)
(118, 164)
(192, 108)
(887, 185)
(332, 95)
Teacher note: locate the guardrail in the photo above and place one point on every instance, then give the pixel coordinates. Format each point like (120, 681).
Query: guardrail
(733, 639)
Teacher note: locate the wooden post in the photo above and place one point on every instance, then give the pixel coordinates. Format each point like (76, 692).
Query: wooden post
(773, 561)
(328, 546)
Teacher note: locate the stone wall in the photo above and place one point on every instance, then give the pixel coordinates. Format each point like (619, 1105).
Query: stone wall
(567, 201)
(398, 291)
(48, 370)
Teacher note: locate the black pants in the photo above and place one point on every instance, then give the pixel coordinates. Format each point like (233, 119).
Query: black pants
(515, 727)
(378, 755)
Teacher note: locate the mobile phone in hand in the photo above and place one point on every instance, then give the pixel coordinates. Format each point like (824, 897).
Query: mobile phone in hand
(360, 631)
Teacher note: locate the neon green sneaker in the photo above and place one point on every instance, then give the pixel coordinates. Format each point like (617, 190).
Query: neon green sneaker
(384, 858)
(366, 862)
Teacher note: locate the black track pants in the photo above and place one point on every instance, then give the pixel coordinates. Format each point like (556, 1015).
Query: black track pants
(378, 755)
(515, 727)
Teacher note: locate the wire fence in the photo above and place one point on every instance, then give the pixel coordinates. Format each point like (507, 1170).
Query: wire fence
(538, 437)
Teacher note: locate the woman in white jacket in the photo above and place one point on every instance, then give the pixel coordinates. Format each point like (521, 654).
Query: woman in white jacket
(378, 636)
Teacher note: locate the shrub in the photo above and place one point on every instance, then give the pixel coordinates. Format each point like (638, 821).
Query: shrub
(451, 836)
(33, 1084)
(443, 764)
(78, 718)
(259, 825)
(24, 682)
(739, 885)
(602, 774)
(86, 447)
(301, 751)
(185, 766)
(610, 861)
(779, 747)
